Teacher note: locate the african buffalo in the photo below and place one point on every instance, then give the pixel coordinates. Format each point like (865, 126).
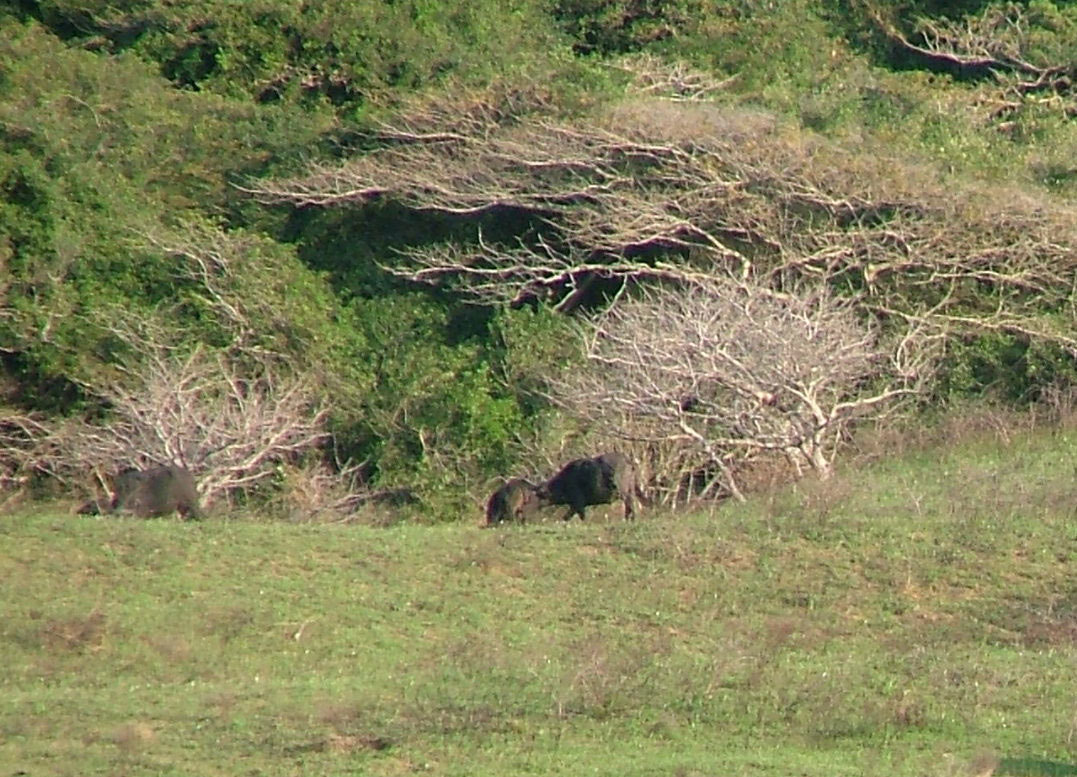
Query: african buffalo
(594, 481)
(93, 507)
(150, 493)
(512, 502)
(155, 492)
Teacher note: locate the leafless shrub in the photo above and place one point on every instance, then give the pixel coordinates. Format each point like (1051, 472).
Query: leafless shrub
(231, 424)
(314, 491)
(233, 414)
(726, 370)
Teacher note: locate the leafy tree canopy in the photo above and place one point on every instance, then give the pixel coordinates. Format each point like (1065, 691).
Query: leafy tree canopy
(341, 51)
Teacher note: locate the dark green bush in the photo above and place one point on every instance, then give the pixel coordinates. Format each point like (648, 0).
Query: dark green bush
(342, 52)
(1002, 367)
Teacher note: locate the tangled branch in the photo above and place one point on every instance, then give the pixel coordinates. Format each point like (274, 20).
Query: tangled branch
(197, 409)
(729, 370)
(660, 191)
(1002, 45)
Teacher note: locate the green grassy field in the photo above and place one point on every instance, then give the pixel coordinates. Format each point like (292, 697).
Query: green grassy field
(915, 617)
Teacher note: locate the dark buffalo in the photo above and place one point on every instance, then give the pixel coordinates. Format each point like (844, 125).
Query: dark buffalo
(595, 481)
(512, 502)
(150, 493)
(156, 492)
(93, 507)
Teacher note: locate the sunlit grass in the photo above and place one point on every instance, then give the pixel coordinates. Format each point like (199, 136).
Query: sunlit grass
(915, 617)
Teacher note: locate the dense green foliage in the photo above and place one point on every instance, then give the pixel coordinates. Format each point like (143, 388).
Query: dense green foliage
(129, 126)
(885, 623)
(343, 52)
(98, 154)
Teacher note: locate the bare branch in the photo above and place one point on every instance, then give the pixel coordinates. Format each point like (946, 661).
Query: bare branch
(727, 369)
(671, 80)
(998, 45)
(659, 191)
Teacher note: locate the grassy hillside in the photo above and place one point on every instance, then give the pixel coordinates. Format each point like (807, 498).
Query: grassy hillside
(919, 153)
(915, 618)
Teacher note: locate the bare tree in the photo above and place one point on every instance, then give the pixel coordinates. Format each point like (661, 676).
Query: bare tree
(1002, 45)
(726, 369)
(196, 408)
(655, 190)
(233, 414)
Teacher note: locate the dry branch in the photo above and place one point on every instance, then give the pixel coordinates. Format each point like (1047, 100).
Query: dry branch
(997, 45)
(678, 81)
(728, 370)
(661, 191)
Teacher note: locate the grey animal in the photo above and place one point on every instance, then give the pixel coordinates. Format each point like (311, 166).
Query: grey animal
(512, 502)
(150, 493)
(93, 507)
(596, 481)
(156, 492)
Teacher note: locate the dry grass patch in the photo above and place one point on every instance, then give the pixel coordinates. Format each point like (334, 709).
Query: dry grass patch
(133, 737)
(75, 634)
(172, 647)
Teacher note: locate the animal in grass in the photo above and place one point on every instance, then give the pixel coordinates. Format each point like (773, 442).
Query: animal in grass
(151, 493)
(595, 481)
(156, 492)
(513, 501)
(93, 507)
